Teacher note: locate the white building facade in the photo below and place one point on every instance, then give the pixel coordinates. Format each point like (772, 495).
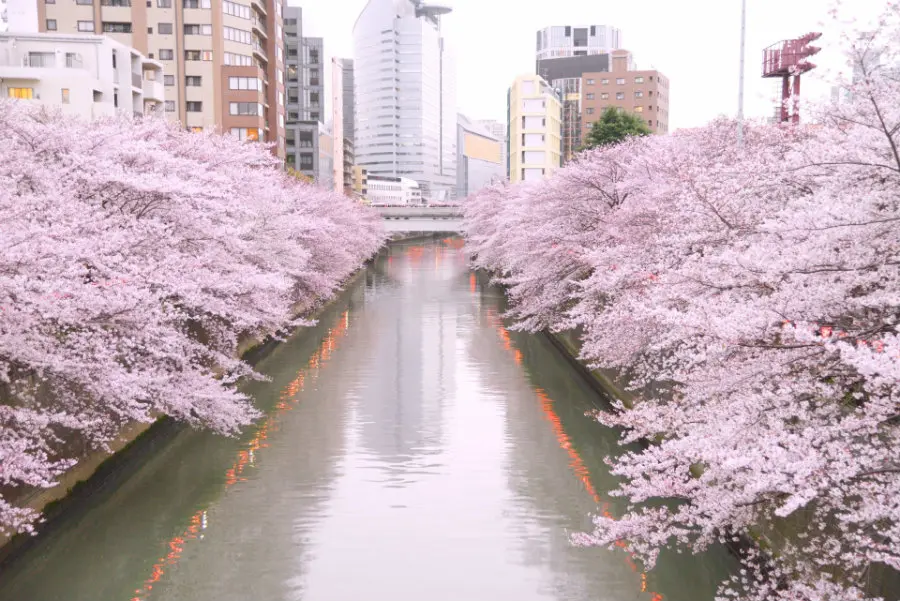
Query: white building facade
(84, 75)
(405, 96)
(581, 40)
(393, 191)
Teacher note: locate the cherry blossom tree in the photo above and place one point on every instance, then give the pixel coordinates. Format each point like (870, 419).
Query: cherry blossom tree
(751, 296)
(137, 257)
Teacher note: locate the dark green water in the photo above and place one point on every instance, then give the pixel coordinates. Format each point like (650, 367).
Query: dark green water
(412, 449)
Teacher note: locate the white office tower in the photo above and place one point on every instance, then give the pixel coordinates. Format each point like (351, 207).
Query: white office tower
(405, 94)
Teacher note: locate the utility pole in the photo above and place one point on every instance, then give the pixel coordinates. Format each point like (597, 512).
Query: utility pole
(740, 116)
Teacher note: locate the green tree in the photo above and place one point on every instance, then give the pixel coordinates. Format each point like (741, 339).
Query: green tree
(614, 126)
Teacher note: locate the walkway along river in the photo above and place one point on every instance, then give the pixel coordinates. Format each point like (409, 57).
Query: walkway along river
(412, 449)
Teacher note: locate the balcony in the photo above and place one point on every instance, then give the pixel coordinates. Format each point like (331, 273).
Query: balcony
(154, 90)
(259, 27)
(137, 80)
(259, 51)
(259, 5)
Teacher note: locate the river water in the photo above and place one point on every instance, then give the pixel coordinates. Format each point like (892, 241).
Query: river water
(413, 448)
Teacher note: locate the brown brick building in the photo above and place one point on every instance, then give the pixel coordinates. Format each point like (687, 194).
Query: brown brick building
(644, 93)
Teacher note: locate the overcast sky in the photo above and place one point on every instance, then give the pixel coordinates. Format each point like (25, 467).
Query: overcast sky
(693, 42)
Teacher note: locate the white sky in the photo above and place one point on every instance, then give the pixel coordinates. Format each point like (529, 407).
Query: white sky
(694, 42)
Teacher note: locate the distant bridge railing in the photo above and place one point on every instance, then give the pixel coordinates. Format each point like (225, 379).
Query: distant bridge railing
(432, 218)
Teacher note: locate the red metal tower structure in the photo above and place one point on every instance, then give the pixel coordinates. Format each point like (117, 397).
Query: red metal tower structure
(788, 59)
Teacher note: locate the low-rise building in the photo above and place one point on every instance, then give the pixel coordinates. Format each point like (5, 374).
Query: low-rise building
(393, 191)
(85, 75)
(535, 114)
(360, 181)
(644, 93)
(479, 158)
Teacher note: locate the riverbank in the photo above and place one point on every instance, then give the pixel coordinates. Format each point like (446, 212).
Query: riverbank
(102, 469)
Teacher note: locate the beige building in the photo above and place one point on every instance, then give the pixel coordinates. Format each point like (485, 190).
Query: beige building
(479, 157)
(88, 76)
(223, 60)
(535, 113)
(644, 93)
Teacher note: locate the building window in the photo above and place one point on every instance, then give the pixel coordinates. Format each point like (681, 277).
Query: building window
(604, 96)
(116, 27)
(198, 55)
(638, 80)
(245, 133)
(65, 95)
(639, 94)
(85, 2)
(166, 54)
(237, 35)
(192, 81)
(638, 109)
(620, 81)
(244, 83)
(590, 82)
(196, 3)
(620, 95)
(590, 96)
(51, 24)
(650, 122)
(164, 28)
(86, 26)
(604, 81)
(164, 3)
(192, 29)
(240, 60)
(170, 106)
(49, 1)
(590, 111)
(245, 108)
(22, 93)
(169, 80)
(194, 107)
(236, 10)
(120, 3)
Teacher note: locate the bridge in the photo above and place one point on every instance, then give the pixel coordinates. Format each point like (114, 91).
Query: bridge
(422, 219)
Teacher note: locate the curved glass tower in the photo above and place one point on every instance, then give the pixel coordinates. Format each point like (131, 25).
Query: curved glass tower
(405, 96)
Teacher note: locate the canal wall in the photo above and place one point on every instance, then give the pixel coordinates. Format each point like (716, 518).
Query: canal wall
(98, 469)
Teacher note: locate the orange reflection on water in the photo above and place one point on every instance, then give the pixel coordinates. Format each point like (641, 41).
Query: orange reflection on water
(576, 463)
(247, 455)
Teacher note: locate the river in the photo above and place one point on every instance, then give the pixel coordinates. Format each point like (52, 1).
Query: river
(412, 448)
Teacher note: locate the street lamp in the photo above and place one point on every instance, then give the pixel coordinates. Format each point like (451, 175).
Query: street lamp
(740, 116)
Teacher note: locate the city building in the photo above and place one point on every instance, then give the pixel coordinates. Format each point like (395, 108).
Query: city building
(305, 84)
(346, 65)
(89, 76)
(644, 93)
(337, 123)
(535, 113)
(223, 68)
(565, 76)
(360, 181)
(566, 40)
(498, 130)
(479, 161)
(349, 164)
(405, 96)
(326, 159)
(393, 191)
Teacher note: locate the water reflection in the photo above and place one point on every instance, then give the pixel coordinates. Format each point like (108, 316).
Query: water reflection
(412, 448)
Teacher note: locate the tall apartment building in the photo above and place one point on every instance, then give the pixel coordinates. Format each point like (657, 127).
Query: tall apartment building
(305, 81)
(479, 160)
(405, 95)
(565, 75)
(535, 113)
(88, 76)
(566, 40)
(349, 108)
(644, 93)
(223, 60)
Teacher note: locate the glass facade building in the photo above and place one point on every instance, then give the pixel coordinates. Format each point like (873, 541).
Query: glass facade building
(405, 96)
